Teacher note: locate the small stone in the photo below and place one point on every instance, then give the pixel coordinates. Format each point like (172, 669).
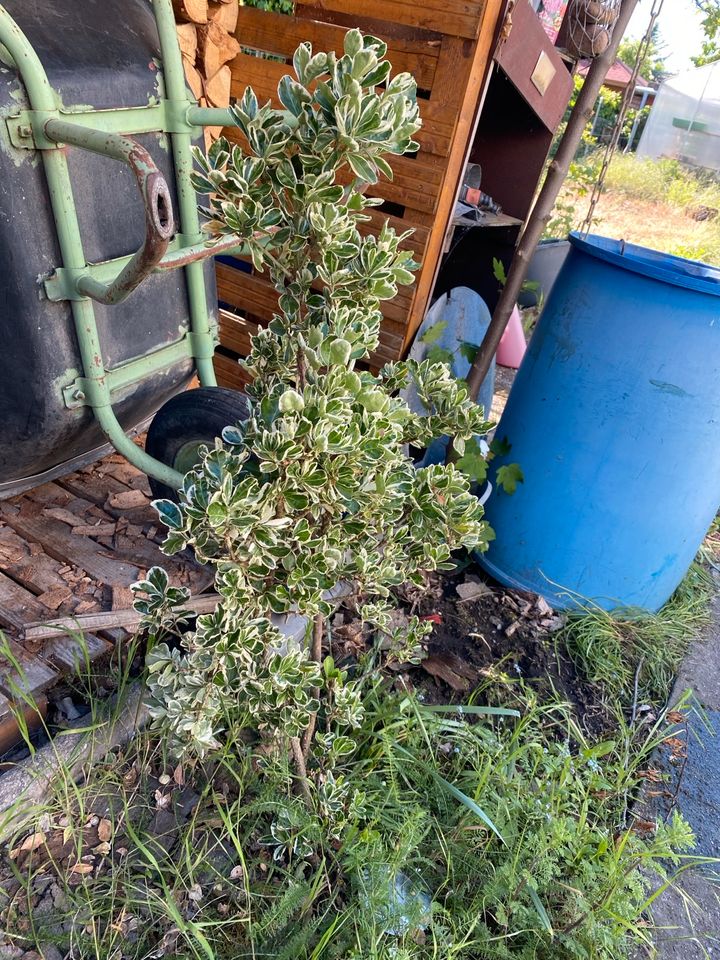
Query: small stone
(471, 590)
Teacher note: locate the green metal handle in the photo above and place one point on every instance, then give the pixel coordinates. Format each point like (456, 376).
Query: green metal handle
(159, 226)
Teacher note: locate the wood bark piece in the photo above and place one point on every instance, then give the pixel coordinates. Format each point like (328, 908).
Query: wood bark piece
(217, 88)
(224, 14)
(128, 500)
(187, 40)
(194, 11)
(194, 79)
(216, 48)
(94, 530)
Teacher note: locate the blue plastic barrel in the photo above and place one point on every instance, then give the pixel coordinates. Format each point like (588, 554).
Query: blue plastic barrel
(614, 418)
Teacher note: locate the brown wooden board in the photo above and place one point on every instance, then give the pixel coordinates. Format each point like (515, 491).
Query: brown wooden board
(527, 49)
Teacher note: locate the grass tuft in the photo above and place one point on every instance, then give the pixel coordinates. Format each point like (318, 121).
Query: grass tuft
(634, 655)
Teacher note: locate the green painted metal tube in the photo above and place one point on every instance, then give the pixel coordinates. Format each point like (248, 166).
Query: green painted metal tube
(42, 97)
(209, 117)
(176, 92)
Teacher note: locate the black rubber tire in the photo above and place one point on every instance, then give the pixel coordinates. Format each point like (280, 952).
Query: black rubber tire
(195, 415)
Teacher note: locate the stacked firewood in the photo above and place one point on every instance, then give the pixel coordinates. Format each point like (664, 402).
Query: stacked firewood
(206, 31)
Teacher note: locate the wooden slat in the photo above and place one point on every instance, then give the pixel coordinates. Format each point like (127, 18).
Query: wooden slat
(135, 549)
(33, 570)
(17, 605)
(280, 34)
(229, 372)
(458, 18)
(59, 541)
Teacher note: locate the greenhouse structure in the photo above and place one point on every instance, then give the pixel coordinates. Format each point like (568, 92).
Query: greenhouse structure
(684, 123)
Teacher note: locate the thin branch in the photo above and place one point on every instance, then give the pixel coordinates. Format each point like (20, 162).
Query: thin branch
(316, 655)
(301, 770)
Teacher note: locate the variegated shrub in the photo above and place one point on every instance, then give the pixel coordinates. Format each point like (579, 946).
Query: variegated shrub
(316, 487)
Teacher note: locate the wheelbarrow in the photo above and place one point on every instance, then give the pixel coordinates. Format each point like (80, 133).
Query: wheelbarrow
(108, 303)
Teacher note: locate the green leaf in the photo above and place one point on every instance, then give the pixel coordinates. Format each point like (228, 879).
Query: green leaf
(301, 59)
(433, 333)
(363, 168)
(437, 354)
(353, 42)
(499, 271)
(469, 803)
(500, 447)
(169, 513)
(541, 911)
(293, 95)
(462, 710)
(509, 476)
(469, 351)
(473, 464)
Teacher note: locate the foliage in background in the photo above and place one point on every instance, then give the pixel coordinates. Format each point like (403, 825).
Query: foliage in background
(652, 65)
(275, 6)
(711, 26)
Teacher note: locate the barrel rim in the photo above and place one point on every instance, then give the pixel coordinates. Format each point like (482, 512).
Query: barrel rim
(665, 267)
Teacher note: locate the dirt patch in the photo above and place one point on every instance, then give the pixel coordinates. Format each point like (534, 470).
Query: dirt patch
(495, 633)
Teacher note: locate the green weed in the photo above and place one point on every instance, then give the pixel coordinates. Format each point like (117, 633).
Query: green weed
(631, 654)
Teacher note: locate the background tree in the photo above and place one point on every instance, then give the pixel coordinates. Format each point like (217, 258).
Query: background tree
(652, 67)
(711, 25)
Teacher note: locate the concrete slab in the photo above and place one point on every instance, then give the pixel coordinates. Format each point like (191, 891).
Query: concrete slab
(687, 917)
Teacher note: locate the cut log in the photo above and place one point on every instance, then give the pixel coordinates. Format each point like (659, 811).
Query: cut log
(187, 38)
(193, 11)
(224, 14)
(216, 47)
(194, 79)
(217, 88)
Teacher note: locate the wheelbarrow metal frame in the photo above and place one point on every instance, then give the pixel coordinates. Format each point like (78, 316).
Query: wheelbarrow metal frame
(46, 128)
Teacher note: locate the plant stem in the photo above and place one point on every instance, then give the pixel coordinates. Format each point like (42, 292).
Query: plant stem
(301, 770)
(316, 655)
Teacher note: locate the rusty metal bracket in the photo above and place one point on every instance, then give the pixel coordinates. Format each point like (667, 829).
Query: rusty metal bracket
(155, 194)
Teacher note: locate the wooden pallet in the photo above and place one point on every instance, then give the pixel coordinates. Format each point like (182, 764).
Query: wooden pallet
(446, 44)
(73, 547)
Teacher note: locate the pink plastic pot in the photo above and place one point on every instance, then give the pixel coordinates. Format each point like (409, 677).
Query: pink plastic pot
(512, 346)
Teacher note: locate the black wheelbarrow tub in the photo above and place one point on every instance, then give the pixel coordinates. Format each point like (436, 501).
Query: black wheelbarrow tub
(100, 54)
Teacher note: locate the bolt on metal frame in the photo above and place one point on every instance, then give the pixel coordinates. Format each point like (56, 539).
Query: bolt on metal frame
(45, 127)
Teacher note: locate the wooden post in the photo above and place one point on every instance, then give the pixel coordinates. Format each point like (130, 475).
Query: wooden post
(540, 215)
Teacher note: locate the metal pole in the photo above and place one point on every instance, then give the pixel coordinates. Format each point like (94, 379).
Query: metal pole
(176, 93)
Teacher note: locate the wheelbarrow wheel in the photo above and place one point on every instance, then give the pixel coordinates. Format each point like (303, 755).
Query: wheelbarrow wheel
(187, 422)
